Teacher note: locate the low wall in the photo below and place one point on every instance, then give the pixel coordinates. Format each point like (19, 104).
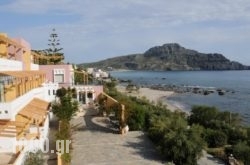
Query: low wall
(10, 65)
(10, 109)
(34, 66)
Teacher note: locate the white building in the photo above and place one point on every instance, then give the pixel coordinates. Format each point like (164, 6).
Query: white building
(24, 101)
(25, 92)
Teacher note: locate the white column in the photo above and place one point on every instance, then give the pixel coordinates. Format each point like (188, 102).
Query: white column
(86, 97)
(77, 95)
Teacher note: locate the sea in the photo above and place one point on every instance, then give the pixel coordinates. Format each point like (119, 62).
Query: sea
(237, 100)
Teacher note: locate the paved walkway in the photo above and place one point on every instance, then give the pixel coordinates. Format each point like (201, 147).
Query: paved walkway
(97, 145)
(208, 159)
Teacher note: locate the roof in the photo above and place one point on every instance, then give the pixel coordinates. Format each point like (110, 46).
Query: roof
(35, 109)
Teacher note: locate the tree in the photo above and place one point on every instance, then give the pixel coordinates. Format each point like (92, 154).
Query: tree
(54, 49)
(66, 108)
(53, 43)
(32, 158)
(61, 92)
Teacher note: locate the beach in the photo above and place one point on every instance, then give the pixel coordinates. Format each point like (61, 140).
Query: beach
(152, 95)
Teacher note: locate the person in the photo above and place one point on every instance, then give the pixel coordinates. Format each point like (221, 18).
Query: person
(232, 160)
(125, 129)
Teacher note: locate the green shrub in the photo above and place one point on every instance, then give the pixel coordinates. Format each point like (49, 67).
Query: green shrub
(183, 146)
(136, 119)
(32, 158)
(215, 138)
(236, 135)
(241, 151)
(203, 115)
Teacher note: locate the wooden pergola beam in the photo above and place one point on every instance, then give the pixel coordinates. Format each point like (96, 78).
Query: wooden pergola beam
(6, 135)
(7, 131)
(10, 42)
(12, 123)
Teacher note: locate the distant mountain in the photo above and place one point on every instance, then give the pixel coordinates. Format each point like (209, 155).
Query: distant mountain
(169, 57)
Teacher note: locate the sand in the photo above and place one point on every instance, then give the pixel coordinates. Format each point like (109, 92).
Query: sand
(152, 95)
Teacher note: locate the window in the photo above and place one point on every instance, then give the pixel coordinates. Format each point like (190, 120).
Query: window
(90, 95)
(59, 75)
(54, 92)
(59, 78)
(49, 92)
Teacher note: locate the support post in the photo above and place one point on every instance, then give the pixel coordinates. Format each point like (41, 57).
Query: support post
(122, 118)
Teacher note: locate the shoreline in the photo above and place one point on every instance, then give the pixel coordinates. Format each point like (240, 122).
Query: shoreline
(154, 96)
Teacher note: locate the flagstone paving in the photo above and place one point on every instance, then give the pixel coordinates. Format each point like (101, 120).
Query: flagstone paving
(97, 145)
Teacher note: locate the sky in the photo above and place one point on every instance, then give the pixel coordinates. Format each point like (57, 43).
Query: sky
(92, 30)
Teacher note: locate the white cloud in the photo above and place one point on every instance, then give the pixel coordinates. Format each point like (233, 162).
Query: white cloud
(192, 10)
(112, 27)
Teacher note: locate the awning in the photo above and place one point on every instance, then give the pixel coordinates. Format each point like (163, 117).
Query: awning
(36, 109)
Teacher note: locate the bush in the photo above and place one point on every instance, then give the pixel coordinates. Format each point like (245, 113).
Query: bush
(32, 158)
(241, 151)
(215, 138)
(183, 146)
(203, 115)
(236, 135)
(136, 119)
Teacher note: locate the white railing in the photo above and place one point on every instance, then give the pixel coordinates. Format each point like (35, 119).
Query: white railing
(10, 65)
(7, 144)
(5, 110)
(34, 66)
(10, 109)
(23, 100)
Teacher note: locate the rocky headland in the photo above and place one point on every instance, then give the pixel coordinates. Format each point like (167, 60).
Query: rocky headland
(169, 57)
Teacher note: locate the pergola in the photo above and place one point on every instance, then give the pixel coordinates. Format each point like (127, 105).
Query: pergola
(37, 56)
(34, 111)
(85, 76)
(22, 74)
(9, 42)
(17, 83)
(11, 128)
